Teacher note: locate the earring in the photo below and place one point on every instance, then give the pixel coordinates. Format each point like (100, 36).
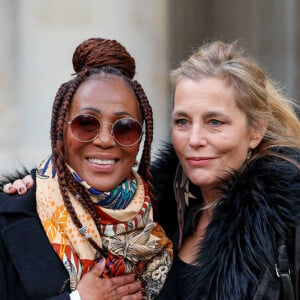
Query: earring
(249, 155)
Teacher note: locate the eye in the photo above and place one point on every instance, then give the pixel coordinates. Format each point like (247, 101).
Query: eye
(181, 122)
(215, 122)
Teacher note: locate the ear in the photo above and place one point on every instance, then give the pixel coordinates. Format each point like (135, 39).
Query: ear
(256, 135)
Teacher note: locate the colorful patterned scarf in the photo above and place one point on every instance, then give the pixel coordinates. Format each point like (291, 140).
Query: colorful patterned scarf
(134, 242)
(117, 198)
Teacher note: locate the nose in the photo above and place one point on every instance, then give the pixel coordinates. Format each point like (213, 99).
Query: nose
(198, 136)
(105, 138)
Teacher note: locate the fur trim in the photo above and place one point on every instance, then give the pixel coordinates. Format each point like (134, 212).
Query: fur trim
(260, 207)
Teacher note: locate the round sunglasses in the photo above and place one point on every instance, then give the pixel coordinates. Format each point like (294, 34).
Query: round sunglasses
(86, 128)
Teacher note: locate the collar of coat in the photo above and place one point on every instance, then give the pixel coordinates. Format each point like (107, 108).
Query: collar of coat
(260, 206)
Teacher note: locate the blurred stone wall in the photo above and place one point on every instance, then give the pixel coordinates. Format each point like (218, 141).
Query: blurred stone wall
(268, 30)
(38, 39)
(37, 43)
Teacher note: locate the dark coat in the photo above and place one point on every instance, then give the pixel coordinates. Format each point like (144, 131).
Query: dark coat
(26, 256)
(260, 207)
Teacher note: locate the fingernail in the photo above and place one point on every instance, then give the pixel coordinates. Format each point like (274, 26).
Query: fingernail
(27, 184)
(101, 260)
(21, 189)
(9, 189)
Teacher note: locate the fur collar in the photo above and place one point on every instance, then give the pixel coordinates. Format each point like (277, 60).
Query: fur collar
(260, 206)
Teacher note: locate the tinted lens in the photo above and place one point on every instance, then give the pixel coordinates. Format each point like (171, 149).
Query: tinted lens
(85, 128)
(127, 132)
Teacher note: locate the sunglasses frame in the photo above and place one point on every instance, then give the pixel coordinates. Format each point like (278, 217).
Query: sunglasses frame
(111, 129)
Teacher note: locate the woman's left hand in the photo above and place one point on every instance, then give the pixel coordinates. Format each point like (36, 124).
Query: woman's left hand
(124, 287)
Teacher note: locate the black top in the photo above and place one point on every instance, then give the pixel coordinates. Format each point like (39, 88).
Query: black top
(178, 282)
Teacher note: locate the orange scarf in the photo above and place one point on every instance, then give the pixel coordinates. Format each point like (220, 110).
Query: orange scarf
(136, 244)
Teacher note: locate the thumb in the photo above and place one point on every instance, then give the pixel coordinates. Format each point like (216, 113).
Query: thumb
(99, 267)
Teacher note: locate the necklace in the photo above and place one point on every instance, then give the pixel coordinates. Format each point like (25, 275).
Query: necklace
(209, 205)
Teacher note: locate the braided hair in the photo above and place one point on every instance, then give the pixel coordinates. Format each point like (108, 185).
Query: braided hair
(96, 57)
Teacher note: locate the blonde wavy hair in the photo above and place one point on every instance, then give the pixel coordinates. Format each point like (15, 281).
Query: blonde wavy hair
(255, 94)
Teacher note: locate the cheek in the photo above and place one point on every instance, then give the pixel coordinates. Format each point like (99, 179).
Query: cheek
(178, 140)
(70, 147)
(230, 142)
(234, 155)
(131, 153)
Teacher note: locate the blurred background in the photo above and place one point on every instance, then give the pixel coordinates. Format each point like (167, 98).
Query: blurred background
(37, 40)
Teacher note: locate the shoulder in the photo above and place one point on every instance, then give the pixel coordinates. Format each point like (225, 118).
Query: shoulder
(269, 183)
(11, 205)
(278, 159)
(279, 171)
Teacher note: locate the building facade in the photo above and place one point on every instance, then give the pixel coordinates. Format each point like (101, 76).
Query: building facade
(38, 39)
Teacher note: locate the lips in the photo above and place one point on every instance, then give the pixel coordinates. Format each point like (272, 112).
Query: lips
(197, 158)
(199, 161)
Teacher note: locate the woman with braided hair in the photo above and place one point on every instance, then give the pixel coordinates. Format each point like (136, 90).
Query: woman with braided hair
(86, 229)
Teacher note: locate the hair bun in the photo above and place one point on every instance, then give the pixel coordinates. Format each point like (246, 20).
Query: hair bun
(98, 52)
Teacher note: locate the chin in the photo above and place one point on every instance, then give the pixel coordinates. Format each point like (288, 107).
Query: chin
(102, 187)
(201, 180)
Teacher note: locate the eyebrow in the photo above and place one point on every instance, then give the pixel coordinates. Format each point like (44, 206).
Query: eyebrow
(210, 114)
(207, 114)
(180, 113)
(90, 108)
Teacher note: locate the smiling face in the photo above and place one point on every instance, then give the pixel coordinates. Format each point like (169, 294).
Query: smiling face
(210, 133)
(103, 163)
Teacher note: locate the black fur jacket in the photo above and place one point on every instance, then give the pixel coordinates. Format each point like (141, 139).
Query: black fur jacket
(237, 257)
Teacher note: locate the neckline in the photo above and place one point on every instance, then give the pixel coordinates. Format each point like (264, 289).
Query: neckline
(185, 264)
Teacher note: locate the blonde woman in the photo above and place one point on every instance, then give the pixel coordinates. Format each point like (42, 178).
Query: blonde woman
(234, 217)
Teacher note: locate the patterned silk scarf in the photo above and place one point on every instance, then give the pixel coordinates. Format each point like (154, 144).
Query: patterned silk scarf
(118, 198)
(134, 242)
